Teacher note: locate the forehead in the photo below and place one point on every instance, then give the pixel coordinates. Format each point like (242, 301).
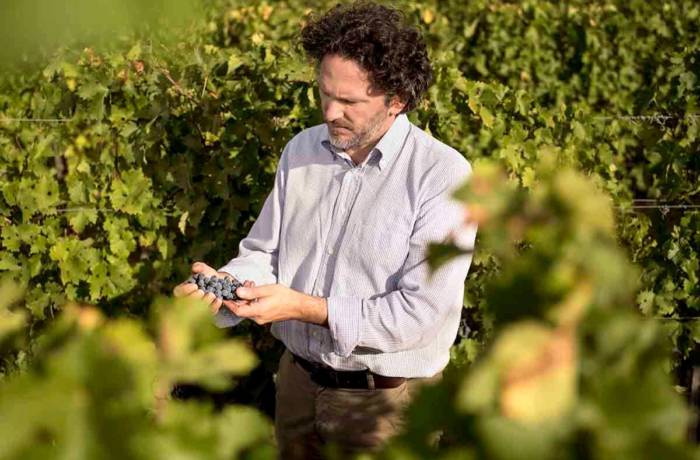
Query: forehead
(337, 74)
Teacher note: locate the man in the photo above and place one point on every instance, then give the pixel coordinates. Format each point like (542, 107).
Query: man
(339, 250)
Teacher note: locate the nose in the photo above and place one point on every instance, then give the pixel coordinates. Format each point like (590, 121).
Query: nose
(332, 110)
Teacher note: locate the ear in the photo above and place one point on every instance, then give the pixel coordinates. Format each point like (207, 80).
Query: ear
(395, 106)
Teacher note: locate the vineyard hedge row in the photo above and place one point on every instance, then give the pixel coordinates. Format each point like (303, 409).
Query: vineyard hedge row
(153, 155)
(571, 371)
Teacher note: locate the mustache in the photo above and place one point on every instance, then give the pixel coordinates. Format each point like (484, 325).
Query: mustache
(335, 125)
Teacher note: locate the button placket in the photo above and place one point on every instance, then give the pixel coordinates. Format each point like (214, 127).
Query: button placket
(349, 188)
(337, 222)
(340, 217)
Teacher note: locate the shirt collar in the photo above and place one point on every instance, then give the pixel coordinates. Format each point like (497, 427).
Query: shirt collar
(388, 146)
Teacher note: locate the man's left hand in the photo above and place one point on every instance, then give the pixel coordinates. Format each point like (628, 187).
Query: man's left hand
(275, 302)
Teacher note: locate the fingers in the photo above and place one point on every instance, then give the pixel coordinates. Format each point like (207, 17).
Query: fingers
(225, 275)
(244, 309)
(192, 291)
(241, 301)
(198, 294)
(231, 305)
(215, 306)
(250, 293)
(201, 267)
(184, 289)
(209, 298)
(255, 311)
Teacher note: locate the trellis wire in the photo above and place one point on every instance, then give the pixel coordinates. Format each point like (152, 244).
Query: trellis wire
(37, 120)
(658, 118)
(676, 318)
(78, 209)
(168, 211)
(663, 205)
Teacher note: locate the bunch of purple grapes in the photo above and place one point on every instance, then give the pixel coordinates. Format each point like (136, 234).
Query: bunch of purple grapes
(222, 288)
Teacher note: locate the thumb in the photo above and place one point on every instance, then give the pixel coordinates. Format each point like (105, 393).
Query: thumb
(201, 267)
(250, 293)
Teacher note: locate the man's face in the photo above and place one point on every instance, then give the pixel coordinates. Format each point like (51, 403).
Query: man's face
(355, 113)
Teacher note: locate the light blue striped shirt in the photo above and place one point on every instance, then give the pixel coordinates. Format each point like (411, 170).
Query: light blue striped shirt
(358, 236)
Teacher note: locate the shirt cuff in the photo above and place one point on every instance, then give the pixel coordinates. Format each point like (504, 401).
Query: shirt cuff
(344, 318)
(226, 318)
(240, 273)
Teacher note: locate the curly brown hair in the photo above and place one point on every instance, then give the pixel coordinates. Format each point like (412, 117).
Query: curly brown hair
(379, 40)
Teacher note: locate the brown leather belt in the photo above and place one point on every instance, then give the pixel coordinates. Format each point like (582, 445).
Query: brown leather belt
(326, 376)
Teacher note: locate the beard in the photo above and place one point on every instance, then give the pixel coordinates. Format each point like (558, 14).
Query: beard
(364, 136)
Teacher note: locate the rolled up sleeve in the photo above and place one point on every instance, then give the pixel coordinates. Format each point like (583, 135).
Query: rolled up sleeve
(410, 316)
(344, 321)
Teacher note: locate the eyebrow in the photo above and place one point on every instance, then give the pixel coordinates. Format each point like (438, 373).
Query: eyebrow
(342, 99)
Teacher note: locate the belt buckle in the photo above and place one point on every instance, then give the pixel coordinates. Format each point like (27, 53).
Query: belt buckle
(370, 380)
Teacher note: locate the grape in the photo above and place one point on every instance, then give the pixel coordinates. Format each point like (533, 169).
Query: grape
(224, 289)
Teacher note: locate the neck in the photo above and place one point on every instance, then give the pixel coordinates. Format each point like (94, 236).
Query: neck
(360, 153)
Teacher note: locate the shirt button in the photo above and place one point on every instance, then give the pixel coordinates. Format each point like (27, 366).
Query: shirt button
(329, 250)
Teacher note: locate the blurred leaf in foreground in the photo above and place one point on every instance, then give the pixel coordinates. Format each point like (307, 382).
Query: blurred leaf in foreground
(100, 388)
(31, 27)
(573, 371)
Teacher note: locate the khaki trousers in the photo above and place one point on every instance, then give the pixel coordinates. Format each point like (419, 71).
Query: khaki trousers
(310, 418)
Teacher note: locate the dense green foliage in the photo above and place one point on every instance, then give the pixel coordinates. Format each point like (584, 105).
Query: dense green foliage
(101, 389)
(153, 154)
(563, 77)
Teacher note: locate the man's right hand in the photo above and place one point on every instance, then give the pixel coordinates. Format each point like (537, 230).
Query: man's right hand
(192, 290)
